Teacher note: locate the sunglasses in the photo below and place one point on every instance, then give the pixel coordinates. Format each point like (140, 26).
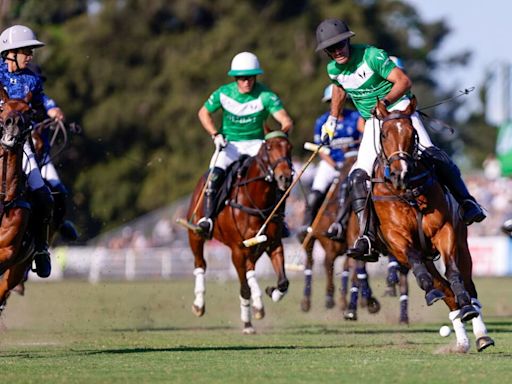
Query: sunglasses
(245, 78)
(26, 51)
(337, 47)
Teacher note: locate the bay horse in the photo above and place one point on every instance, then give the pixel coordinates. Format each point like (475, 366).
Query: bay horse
(257, 186)
(418, 220)
(354, 270)
(16, 242)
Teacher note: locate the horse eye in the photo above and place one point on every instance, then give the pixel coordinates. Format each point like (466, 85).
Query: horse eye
(382, 135)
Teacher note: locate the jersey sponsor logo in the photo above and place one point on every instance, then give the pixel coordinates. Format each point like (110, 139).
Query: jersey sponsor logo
(356, 79)
(240, 109)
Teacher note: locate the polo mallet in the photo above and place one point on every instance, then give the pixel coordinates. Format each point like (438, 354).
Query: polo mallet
(188, 223)
(260, 238)
(321, 210)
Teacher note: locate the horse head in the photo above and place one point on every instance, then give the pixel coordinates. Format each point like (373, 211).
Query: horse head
(15, 120)
(275, 154)
(398, 140)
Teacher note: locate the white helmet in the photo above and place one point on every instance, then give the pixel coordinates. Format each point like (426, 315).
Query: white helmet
(18, 36)
(398, 61)
(245, 64)
(327, 93)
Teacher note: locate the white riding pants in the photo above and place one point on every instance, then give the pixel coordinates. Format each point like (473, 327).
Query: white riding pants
(49, 172)
(31, 169)
(370, 143)
(234, 150)
(325, 174)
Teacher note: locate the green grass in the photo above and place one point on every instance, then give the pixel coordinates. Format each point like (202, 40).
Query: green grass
(145, 333)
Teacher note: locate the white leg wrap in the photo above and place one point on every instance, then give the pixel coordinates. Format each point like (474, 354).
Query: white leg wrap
(392, 264)
(277, 295)
(199, 288)
(362, 276)
(404, 297)
(460, 330)
(255, 289)
(308, 272)
(345, 273)
(245, 310)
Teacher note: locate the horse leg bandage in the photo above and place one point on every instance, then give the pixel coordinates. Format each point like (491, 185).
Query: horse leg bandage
(255, 289)
(245, 310)
(199, 288)
(460, 330)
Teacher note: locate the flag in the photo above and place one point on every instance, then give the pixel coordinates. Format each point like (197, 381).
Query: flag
(504, 148)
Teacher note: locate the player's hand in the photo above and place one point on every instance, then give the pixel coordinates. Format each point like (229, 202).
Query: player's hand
(328, 129)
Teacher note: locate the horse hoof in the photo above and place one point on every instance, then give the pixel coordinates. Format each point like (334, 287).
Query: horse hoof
(433, 295)
(329, 302)
(305, 304)
(269, 291)
(404, 321)
(198, 311)
(248, 329)
(468, 312)
(483, 342)
(259, 313)
(350, 314)
(373, 305)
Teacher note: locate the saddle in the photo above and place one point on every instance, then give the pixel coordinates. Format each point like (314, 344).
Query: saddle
(235, 171)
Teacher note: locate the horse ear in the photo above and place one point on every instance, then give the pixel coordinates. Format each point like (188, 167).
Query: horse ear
(3, 94)
(412, 106)
(28, 98)
(381, 110)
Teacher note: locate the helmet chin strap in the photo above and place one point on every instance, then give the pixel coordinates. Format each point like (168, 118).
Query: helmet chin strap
(15, 61)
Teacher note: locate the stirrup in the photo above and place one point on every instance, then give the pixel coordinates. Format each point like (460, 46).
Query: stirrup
(336, 232)
(68, 231)
(205, 227)
(367, 254)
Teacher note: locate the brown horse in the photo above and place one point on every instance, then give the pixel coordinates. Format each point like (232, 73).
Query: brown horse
(256, 188)
(327, 214)
(16, 245)
(417, 220)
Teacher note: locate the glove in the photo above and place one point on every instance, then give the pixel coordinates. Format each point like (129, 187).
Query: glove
(219, 141)
(328, 129)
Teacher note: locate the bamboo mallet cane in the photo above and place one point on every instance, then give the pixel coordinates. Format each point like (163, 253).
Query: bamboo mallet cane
(188, 223)
(260, 238)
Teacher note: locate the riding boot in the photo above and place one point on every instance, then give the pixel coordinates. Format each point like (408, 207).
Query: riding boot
(205, 224)
(338, 229)
(66, 228)
(449, 174)
(362, 249)
(42, 210)
(314, 201)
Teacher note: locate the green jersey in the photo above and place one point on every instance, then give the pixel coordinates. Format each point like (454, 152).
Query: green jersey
(363, 77)
(244, 114)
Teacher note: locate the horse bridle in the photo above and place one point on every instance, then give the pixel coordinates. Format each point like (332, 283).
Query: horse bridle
(24, 127)
(400, 154)
(269, 167)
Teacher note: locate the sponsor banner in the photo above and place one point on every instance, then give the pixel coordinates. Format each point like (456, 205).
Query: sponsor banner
(491, 255)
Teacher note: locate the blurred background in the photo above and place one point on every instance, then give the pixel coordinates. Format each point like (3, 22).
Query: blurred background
(134, 73)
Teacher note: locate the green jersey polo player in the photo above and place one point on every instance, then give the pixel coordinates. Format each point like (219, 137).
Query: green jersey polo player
(246, 105)
(367, 74)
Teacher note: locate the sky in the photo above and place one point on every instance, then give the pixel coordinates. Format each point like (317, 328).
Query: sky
(482, 27)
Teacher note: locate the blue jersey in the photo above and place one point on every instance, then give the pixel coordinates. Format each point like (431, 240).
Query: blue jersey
(346, 128)
(18, 84)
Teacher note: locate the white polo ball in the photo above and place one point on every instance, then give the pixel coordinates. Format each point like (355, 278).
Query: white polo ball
(445, 331)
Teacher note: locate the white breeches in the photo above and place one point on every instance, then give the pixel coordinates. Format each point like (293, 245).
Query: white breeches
(31, 169)
(325, 174)
(370, 143)
(234, 150)
(49, 173)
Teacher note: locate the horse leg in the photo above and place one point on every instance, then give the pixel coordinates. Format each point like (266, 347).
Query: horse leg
(345, 274)
(351, 311)
(10, 279)
(392, 278)
(371, 302)
(305, 304)
(277, 260)
(460, 331)
(466, 269)
(330, 256)
(404, 297)
(257, 303)
(424, 278)
(197, 246)
(240, 262)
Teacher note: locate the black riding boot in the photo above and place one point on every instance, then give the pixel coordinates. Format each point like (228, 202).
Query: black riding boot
(314, 201)
(338, 229)
(449, 174)
(362, 249)
(205, 224)
(42, 209)
(66, 228)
